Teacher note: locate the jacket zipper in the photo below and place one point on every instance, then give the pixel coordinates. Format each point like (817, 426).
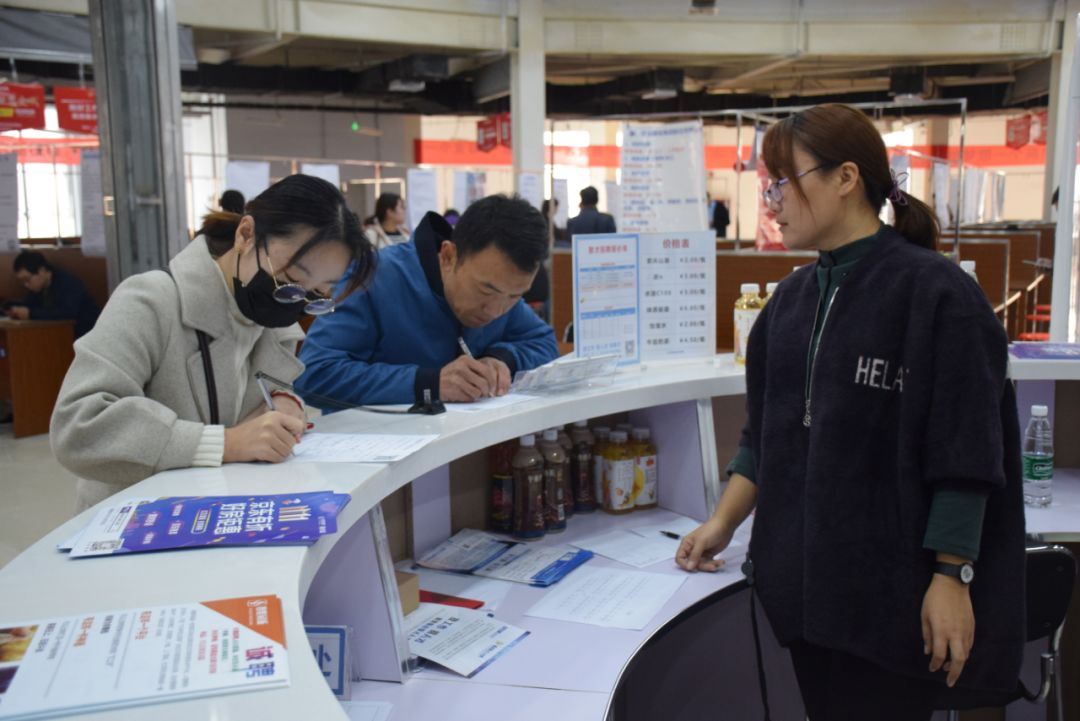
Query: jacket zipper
(811, 359)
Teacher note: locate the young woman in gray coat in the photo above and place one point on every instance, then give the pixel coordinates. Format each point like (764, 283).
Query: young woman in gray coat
(166, 379)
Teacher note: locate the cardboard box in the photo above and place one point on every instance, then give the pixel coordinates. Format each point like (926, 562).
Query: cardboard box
(408, 586)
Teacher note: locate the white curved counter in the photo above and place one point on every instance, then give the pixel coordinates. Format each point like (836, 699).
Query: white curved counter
(41, 582)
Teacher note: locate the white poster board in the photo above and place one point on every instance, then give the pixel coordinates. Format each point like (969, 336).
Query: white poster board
(974, 191)
(91, 205)
(647, 296)
(942, 202)
(663, 177)
(606, 297)
(561, 193)
(422, 194)
(330, 172)
(250, 177)
(678, 294)
(614, 201)
(9, 203)
(531, 187)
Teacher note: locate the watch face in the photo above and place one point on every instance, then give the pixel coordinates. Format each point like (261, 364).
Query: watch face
(967, 573)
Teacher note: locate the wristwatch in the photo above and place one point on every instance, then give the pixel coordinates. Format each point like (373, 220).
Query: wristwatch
(964, 572)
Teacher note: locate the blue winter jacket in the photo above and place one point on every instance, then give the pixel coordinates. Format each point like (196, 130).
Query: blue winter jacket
(387, 344)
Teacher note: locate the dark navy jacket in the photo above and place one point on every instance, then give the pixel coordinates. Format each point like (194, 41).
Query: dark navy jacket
(590, 220)
(388, 343)
(909, 393)
(66, 298)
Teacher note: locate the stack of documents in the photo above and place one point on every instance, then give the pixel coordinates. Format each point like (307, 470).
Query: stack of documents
(141, 524)
(105, 660)
(484, 554)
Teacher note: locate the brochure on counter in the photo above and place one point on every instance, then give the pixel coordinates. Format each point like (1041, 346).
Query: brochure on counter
(139, 524)
(488, 555)
(1046, 351)
(462, 640)
(111, 659)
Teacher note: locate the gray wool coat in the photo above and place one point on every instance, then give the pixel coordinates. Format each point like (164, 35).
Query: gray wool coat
(135, 401)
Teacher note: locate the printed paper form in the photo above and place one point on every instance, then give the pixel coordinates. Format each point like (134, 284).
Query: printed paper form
(357, 447)
(630, 548)
(682, 525)
(608, 597)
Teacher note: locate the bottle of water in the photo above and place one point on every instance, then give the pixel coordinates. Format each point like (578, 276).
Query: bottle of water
(1038, 458)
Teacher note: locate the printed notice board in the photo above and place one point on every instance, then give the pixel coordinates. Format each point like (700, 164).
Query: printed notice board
(663, 177)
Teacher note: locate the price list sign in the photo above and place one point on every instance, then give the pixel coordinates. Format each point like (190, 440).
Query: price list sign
(678, 294)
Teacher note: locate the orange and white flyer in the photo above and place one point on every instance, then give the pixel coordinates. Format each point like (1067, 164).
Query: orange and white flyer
(111, 659)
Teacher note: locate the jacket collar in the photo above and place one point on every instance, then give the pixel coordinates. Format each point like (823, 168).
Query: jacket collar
(427, 238)
(205, 301)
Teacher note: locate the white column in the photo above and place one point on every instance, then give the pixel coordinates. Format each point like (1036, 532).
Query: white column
(1054, 107)
(528, 105)
(1063, 316)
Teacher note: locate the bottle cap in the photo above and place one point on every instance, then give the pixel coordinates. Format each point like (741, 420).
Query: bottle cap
(1039, 411)
(618, 436)
(641, 434)
(528, 440)
(770, 287)
(968, 266)
(752, 288)
(551, 435)
(581, 424)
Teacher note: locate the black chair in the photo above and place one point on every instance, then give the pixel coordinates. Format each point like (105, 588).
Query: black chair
(1051, 574)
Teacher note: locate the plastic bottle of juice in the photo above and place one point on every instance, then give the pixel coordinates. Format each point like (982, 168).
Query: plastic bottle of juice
(555, 499)
(618, 475)
(568, 480)
(770, 288)
(645, 470)
(747, 308)
(501, 464)
(528, 469)
(602, 434)
(581, 468)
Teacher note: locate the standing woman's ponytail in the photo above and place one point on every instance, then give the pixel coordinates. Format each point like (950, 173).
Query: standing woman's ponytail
(914, 220)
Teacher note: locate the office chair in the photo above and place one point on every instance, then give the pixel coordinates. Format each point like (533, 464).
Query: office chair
(1051, 574)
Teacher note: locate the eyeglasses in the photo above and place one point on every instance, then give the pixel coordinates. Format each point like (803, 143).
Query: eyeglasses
(295, 293)
(775, 192)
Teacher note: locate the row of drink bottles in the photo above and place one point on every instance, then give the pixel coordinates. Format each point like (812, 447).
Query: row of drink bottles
(539, 483)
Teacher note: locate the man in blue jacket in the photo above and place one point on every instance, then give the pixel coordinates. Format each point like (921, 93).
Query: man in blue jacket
(443, 315)
(53, 294)
(590, 220)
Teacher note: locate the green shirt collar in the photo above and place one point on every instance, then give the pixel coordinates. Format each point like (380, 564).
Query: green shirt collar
(852, 252)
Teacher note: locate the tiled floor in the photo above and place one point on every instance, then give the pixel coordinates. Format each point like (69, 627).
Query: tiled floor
(36, 493)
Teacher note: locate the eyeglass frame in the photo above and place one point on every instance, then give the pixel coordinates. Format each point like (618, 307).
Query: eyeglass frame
(284, 293)
(774, 192)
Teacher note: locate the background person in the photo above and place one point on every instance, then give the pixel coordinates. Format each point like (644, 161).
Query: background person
(589, 220)
(389, 226)
(52, 294)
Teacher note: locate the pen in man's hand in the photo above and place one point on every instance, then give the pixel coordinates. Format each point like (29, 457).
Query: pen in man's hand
(464, 347)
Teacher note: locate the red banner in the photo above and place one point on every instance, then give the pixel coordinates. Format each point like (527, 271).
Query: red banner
(487, 134)
(22, 106)
(1040, 123)
(1018, 131)
(76, 109)
(502, 120)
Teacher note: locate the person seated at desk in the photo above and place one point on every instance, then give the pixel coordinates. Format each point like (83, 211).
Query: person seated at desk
(447, 295)
(167, 377)
(54, 294)
(589, 220)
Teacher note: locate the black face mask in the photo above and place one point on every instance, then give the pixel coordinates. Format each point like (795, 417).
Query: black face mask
(256, 299)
